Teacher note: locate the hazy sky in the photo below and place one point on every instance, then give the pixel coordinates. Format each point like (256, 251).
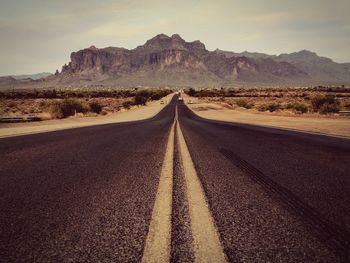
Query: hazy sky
(39, 35)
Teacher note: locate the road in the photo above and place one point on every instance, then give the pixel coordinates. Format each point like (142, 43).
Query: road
(174, 188)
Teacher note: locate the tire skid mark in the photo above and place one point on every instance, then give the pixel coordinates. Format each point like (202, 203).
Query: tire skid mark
(332, 235)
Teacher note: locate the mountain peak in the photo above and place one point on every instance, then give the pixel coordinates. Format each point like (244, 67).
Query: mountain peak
(177, 36)
(163, 41)
(164, 58)
(306, 52)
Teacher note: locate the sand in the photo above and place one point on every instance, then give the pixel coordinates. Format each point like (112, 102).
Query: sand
(327, 125)
(133, 114)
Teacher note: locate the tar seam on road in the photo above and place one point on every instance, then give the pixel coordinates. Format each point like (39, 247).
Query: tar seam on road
(206, 241)
(158, 241)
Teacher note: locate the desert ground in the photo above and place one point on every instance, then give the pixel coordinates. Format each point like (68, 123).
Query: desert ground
(114, 112)
(231, 110)
(144, 191)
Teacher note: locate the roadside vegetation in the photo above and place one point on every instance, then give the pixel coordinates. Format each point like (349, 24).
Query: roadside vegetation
(312, 100)
(58, 104)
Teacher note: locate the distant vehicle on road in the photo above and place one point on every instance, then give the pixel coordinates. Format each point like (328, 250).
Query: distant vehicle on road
(180, 98)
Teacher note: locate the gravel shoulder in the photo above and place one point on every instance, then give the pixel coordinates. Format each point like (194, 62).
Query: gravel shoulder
(133, 114)
(335, 126)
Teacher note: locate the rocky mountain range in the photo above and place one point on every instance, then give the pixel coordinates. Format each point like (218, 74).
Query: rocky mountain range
(31, 76)
(171, 61)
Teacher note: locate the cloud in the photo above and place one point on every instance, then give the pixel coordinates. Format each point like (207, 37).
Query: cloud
(267, 19)
(39, 35)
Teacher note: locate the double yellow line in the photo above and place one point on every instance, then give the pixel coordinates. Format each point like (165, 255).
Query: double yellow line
(206, 242)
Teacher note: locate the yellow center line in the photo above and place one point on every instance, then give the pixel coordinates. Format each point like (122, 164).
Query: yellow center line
(158, 241)
(206, 242)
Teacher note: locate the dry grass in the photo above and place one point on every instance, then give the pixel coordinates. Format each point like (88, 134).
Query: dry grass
(135, 113)
(227, 110)
(41, 107)
(324, 100)
(282, 106)
(63, 103)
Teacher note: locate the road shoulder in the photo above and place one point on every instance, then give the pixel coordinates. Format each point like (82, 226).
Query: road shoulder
(134, 114)
(336, 127)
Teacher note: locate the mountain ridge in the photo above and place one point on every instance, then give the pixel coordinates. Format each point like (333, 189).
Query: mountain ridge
(171, 61)
(162, 57)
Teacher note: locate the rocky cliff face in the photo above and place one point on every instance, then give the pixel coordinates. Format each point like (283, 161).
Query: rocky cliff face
(165, 60)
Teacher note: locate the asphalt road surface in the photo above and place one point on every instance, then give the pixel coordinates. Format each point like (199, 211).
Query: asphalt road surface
(87, 194)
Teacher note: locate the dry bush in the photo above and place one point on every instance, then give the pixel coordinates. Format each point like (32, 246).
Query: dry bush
(67, 107)
(95, 107)
(297, 107)
(271, 107)
(140, 99)
(325, 104)
(346, 105)
(244, 103)
(127, 104)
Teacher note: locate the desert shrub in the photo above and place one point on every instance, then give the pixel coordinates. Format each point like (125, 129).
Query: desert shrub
(103, 112)
(271, 107)
(207, 93)
(95, 107)
(289, 106)
(222, 99)
(140, 99)
(325, 104)
(191, 92)
(49, 94)
(329, 108)
(11, 104)
(67, 107)
(143, 96)
(127, 104)
(249, 105)
(56, 111)
(158, 94)
(346, 105)
(300, 108)
(262, 107)
(244, 103)
(144, 93)
(241, 103)
(297, 107)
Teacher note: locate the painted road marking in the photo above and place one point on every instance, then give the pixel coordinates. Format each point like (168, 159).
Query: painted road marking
(206, 242)
(158, 241)
(207, 246)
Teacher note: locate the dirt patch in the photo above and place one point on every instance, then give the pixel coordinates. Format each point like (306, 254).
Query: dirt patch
(329, 124)
(123, 115)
